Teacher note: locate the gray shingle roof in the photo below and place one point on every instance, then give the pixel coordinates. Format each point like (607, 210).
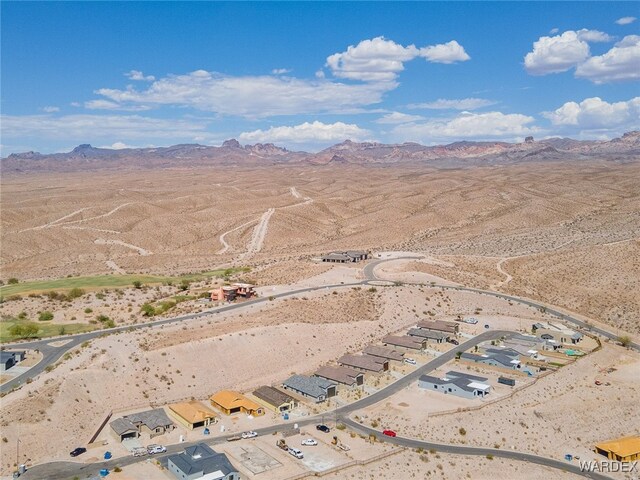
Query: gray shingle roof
(461, 383)
(151, 418)
(201, 458)
(473, 378)
(387, 353)
(364, 362)
(272, 396)
(312, 386)
(343, 375)
(122, 426)
(426, 333)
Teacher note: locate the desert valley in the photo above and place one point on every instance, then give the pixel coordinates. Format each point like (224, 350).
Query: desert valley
(117, 267)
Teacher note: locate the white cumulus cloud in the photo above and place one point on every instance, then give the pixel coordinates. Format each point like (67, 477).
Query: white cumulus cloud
(625, 20)
(595, 113)
(450, 52)
(381, 60)
(308, 133)
(490, 125)
(556, 54)
(453, 104)
(398, 117)
(251, 96)
(621, 63)
(280, 71)
(139, 76)
(50, 109)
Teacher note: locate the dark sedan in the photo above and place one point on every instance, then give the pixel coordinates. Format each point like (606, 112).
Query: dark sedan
(78, 451)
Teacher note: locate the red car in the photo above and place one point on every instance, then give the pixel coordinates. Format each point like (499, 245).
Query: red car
(389, 433)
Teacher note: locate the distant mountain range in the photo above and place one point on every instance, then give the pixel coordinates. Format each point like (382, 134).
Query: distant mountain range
(86, 157)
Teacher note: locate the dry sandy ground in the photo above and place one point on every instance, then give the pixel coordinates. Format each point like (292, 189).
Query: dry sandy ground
(411, 464)
(529, 217)
(174, 362)
(554, 416)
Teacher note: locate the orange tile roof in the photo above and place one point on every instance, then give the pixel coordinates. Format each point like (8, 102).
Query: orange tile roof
(624, 447)
(192, 412)
(229, 399)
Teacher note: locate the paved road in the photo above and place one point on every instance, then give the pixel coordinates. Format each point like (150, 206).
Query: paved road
(65, 470)
(52, 353)
(370, 274)
(464, 450)
(55, 470)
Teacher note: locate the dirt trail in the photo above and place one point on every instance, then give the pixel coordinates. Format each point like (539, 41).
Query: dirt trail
(295, 193)
(507, 275)
(140, 250)
(109, 213)
(259, 232)
(114, 266)
(225, 245)
(76, 227)
(54, 223)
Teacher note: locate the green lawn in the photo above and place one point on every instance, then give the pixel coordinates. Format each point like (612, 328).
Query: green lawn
(46, 329)
(100, 282)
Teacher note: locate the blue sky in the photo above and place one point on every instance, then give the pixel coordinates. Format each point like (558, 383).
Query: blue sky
(308, 75)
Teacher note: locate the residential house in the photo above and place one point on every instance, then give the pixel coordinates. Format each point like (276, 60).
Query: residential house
(388, 353)
(625, 449)
(274, 399)
(315, 388)
(344, 375)
(7, 360)
(203, 463)
(451, 328)
(495, 360)
(230, 402)
(405, 341)
(152, 422)
(345, 256)
(433, 335)
(459, 386)
(365, 362)
(192, 414)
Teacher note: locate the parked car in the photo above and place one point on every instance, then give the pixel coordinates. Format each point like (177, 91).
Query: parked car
(453, 341)
(323, 428)
(410, 361)
(77, 451)
(389, 433)
(295, 452)
(309, 442)
(250, 434)
(471, 321)
(151, 449)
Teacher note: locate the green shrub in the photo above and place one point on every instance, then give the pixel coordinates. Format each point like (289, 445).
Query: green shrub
(88, 310)
(137, 284)
(75, 293)
(148, 310)
(12, 281)
(45, 316)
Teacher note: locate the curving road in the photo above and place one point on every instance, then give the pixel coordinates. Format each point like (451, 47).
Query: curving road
(64, 470)
(60, 470)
